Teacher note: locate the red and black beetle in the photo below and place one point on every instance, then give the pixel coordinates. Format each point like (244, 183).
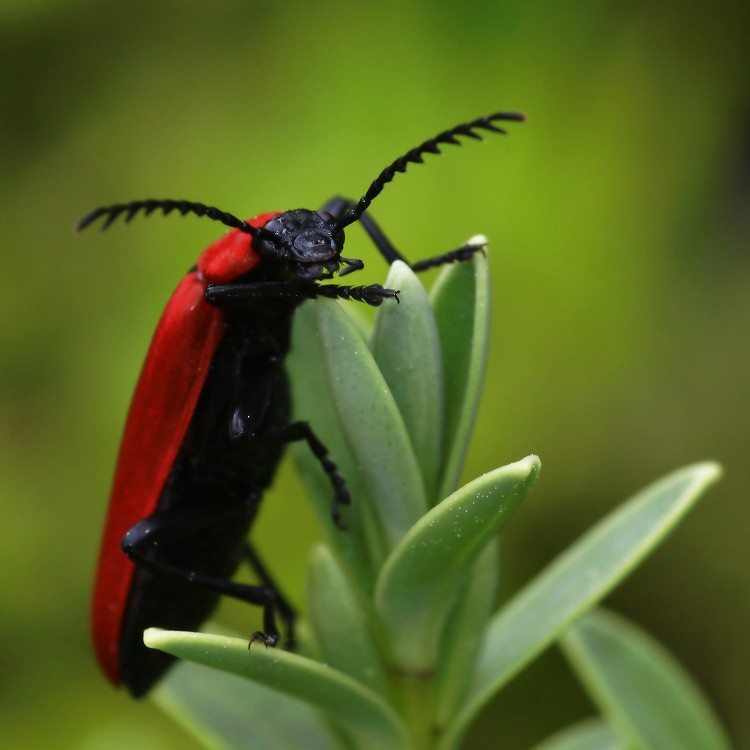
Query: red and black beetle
(211, 415)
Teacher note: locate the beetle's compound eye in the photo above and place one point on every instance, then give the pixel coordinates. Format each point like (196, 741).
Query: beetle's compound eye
(269, 242)
(337, 239)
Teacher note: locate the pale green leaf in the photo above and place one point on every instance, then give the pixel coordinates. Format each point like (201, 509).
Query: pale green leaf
(372, 424)
(361, 713)
(406, 347)
(226, 712)
(418, 584)
(576, 581)
(343, 623)
(593, 734)
(462, 305)
(463, 633)
(312, 403)
(639, 686)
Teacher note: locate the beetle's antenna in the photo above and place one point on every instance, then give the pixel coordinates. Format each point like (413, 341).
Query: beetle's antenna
(166, 206)
(415, 157)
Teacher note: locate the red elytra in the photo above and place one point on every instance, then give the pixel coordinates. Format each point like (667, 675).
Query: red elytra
(165, 397)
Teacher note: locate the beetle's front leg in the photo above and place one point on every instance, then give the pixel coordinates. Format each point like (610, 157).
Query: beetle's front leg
(246, 295)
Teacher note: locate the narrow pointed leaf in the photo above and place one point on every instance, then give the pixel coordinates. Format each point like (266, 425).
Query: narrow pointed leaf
(343, 623)
(225, 711)
(461, 303)
(588, 735)
(576, 581)
(372, 424)
(311, 402)
(362, 714)
(639, 686)
(419, 582)
(406, 347)
(463, 634)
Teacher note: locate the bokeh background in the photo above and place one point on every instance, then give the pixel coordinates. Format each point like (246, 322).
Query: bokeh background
(619, 228)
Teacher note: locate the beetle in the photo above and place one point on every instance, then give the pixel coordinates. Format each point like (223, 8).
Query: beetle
(211, 415)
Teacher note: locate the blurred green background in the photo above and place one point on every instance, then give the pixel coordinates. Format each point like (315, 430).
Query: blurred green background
(619, 228)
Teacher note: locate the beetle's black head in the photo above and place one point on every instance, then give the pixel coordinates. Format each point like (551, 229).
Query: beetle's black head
(307, 241)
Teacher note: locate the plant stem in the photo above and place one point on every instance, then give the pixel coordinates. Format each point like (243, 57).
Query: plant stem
(415, 694)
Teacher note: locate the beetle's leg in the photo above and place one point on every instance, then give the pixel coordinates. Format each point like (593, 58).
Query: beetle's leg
(336, 207)
(302, 431)
(372, 294)
(285, 610)
(246, 295)
(159, 530)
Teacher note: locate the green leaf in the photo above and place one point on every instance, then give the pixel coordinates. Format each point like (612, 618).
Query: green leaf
(593, 734)
(463, 634)
(462, 305)
(362, 714)
(639, 686)
(372, 424)
(406, 347)
(227, 712)
(311, 402)
(576, 581)
(418, 583)
(343, 623)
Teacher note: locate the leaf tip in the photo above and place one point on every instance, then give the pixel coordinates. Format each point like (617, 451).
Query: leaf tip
(478, 239)
(529, 467)
(154, 637)
(707, 473)
(711, 471)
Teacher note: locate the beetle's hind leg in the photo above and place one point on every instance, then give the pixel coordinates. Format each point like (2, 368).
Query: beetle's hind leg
(282, 606)
(188, 529)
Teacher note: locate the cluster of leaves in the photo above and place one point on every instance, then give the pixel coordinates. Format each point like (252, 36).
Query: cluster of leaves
(401, 648)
